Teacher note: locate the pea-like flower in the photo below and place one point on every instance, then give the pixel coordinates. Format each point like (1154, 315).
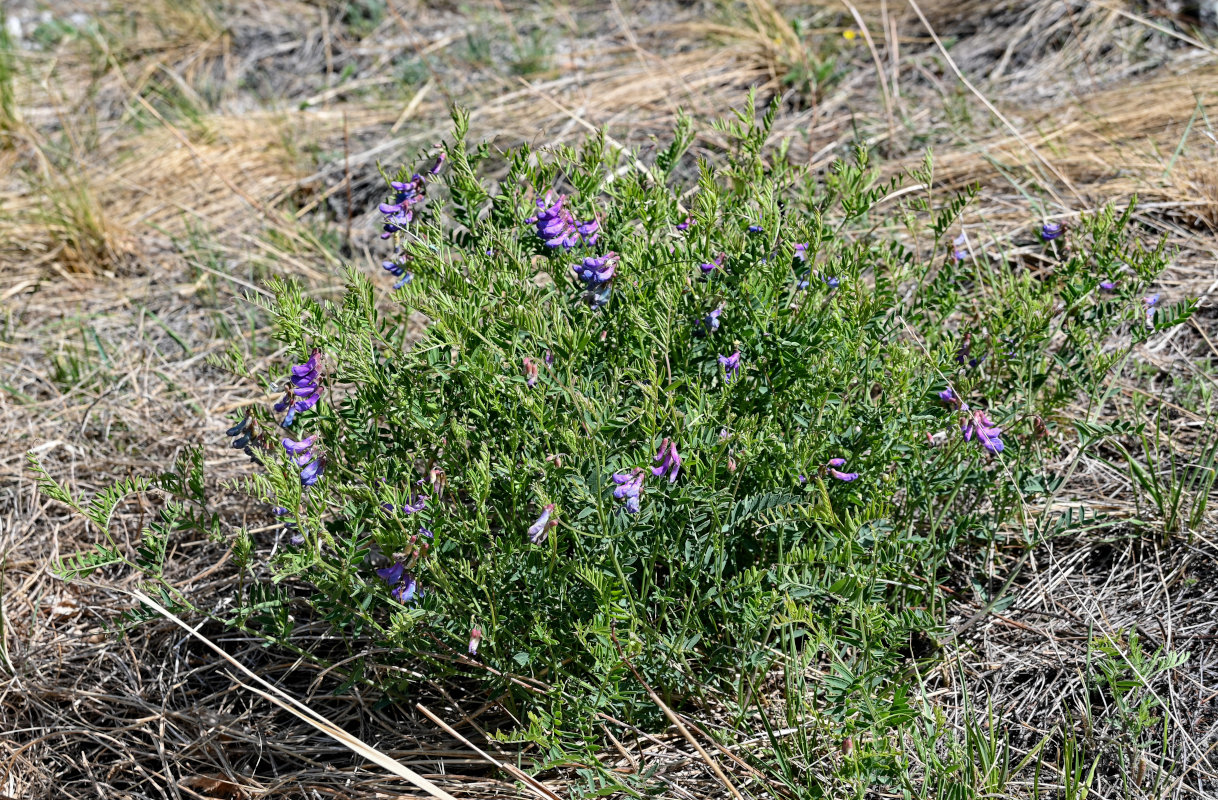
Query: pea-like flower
(709, 323)
(557, 227)
(951, 399)
(1149, 304)
(400, 213)
(539, 529)
(530, 372)
(595, 270)
(684, 226)
(832, 465)
(1108, 286)
(475, 639)
(756, 229)
(731, 365)
(979, 424)
(403, 586)
(397, 268)
(801, 251)
(959, 248)
(1051, 230)
(710, 266)
(669, 461)
(629, 488)
(303, 390)
(312, 472)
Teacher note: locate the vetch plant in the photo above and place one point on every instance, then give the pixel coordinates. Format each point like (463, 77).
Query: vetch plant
(600, 449)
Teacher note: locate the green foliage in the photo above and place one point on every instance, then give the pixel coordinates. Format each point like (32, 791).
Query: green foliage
(755, 559)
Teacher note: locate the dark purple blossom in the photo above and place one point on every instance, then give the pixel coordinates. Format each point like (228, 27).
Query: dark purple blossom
(979, 424)
(669, 460)
(710, 266)
(403, 586)
(597, 273)
(436, 167)
(539, 529)
(731, 365)
(756, 229)
(831, 281)
(549, 359)
(832, 465)
(303, 390)
(311, 472)
(400, 213)
(1108, 286)
(709, 323)
(1051, 230)
(557, 226)
(684, 226)
(629, 488)
(949, 397)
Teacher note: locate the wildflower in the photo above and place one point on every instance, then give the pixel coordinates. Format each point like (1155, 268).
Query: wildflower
(311, 472)
(595, 270)
(530, 372)
(557, 227)
(419, 504)
(303, 390)
(731, 365)
(949, 397)
(435, 168)
(959, 250)
(979, 424)
(684, 226)
(397, 268)
(710, 266)
(831, 468)
(279, 511)
(831, 281)
(630, 486)
(400, 212)
(709, 323)
(539, 529)
(801, 251)
(245, 438)
(756, 229)
(297, 538)
(403, 586)
(669, 459)
(1108, 286)
(549, 359)
(475, 639)
(1149, 303)
(1051, 230)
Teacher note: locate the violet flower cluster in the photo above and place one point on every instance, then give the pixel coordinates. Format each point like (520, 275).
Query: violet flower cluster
(540, 529)
(832, 468)
(979, 424)
(597, 273)
(310, 463)
(404, 587)
(731, 365)
(629, 488)
(303, 390)
(558, 227)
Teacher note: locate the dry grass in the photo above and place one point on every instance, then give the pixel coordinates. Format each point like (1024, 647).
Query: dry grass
(171, 156)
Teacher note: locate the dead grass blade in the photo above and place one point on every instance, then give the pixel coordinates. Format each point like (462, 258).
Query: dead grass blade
(303, 712)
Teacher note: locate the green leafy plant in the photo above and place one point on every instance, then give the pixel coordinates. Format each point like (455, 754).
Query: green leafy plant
(672, 428)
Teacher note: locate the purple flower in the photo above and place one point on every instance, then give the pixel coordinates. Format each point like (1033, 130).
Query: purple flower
(296, 539)
(595, 270)
(831, 281)
(301, 447)
(400, 212)
(403, 586)
(710, 266)
(530, 372)
(801, 251)
(1108, 286)
(630, 486)
(959, 250)
(731, 365)
(950, 398)
(475, 639)
(1051, 230)
(669, 459)
(419, 504)
(979, 424)
(303, 389)
(557, 227)
(539, 529)
(709, 323)
(549, 359)
(435, 168)
(397, 268)
(1149, 303)
(311, 472)
(279, 511)
(756, 229)
(684, 226)
(831, 467)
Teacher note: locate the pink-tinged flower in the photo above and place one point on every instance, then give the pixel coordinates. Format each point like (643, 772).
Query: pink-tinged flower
(831, 468)
(1108, 286)
(629, 487)
(530, 372)
(979, 424)
(475, 639)
(1051, 230)
(959, 248)
(951, 399)
(731, 365)
(539, 529)
(669, 459)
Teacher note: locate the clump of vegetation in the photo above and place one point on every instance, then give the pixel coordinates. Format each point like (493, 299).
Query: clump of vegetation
(662, 440)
